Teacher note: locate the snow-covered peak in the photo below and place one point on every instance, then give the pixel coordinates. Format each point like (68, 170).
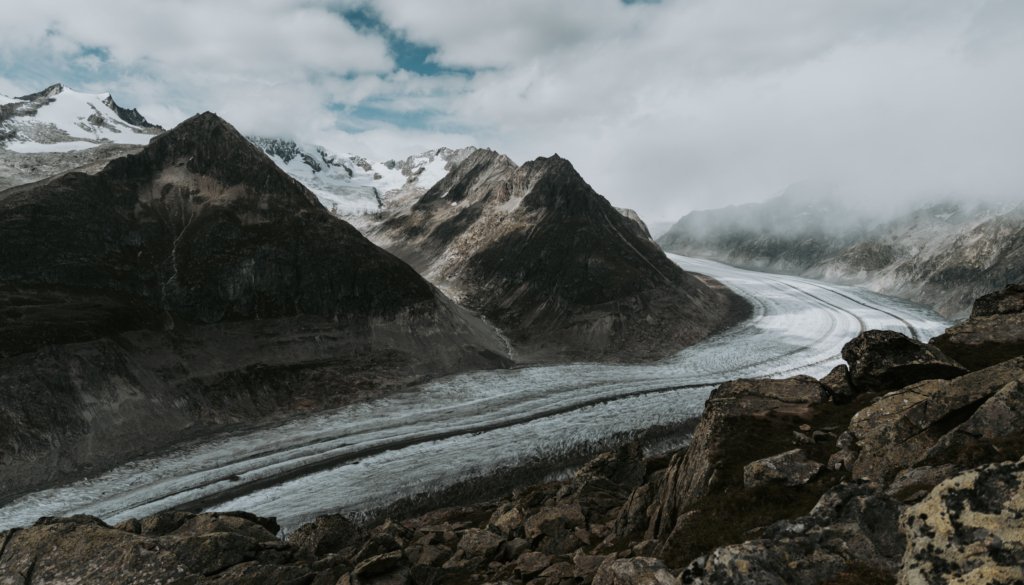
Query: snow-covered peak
(60, 119)
(350, 184)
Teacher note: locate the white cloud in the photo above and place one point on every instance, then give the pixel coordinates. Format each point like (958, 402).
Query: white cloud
(682, 105)
(665, 107)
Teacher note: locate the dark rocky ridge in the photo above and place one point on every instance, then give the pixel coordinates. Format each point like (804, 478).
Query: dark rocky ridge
(920, 485)
(543, 256)
(191, 286)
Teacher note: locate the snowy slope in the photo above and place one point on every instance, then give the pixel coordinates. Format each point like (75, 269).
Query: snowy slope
(348, 184)
(60, 119)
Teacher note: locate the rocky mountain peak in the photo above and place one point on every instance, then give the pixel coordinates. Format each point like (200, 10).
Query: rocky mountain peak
(206, 144)
(483, 167)
(132, 116)
(553, 183)
(51, 91)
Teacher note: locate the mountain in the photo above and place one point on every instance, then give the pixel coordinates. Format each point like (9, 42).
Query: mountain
(349, 184)
(59, 119)
(941, 254)
(58, 129)
(539, 253)
(191, 286)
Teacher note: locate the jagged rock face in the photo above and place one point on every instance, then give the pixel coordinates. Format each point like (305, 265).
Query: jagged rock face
(733, 408)
(189, 286)
(993, 333)
(901, 429)
(539, 253)
(885, 360)
(943, 255)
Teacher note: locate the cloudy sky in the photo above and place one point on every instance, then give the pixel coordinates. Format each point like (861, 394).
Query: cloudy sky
(664, 106)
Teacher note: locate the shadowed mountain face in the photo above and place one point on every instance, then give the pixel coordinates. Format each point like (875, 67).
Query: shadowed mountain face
(189, 286)
(196, 228)
(542, 255)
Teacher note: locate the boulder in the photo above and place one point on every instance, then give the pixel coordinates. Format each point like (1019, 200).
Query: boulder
(851, 533)
(507, 520)
(635, 571)
(993, 333)
(881, 361)
(385, 564)
(477, 543)
(554, 521)
(533, 563)
(968, 530)
(732, 414)
(1009, 301)
(327, 534)
(791, 468)
(898, 431)
(837, 382)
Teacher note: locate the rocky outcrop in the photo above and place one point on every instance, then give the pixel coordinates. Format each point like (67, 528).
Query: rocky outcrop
(850, 536)
(736, 413)
(968, 529)
(791, 468)
(943, 255)
(168, 548)
(899, 430)
(551, 262)
(188, 287)
(993, 333)
(880, 361)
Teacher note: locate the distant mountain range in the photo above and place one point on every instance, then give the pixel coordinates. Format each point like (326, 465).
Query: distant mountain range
(940, 254)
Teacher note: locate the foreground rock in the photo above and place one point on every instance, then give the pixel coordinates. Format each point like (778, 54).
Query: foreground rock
(885, 360)
(924, 485)
(736, 413)
(791, 468)
(968, 530)
(168, 548)
(550, 261)
(902, 428)
(852, 533)
(192, 286)
(993, 333)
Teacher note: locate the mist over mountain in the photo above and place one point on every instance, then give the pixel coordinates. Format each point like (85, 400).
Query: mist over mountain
(944, 253)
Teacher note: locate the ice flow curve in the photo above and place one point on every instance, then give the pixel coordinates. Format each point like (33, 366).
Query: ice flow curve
(428, 437)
